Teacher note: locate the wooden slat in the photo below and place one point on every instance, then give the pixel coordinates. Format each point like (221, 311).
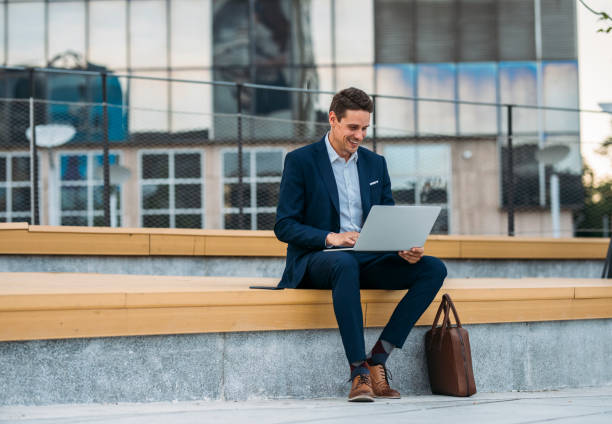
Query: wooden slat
(19, 238)
(505, 311)
(43, 243)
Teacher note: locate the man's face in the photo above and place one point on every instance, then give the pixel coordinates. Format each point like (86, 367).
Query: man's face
(347, 134)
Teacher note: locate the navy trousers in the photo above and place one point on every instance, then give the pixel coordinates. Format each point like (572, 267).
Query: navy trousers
(345, 273)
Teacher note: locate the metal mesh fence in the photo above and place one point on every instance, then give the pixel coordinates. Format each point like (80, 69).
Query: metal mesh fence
(215, 159)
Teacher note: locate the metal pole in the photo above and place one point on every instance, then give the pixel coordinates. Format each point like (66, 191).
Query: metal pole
(510, 176)
(241, 217)
(34, 152)
(555, 205)
(105, 161)
(374, 123)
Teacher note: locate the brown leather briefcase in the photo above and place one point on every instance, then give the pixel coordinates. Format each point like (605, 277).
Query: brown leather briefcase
(448, 355)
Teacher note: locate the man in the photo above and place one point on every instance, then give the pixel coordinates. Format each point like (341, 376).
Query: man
(326, 192)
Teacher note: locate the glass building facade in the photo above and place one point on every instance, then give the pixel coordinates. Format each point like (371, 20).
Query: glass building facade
(494, 51)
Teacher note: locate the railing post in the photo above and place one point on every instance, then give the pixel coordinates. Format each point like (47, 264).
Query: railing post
(374, 122)
(510, 175)
(241, 217)
(33, 155)
(105, 160)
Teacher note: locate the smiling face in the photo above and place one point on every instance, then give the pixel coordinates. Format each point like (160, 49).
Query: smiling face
(347, 133)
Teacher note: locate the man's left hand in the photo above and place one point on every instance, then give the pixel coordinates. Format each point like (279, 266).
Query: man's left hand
(413, 255)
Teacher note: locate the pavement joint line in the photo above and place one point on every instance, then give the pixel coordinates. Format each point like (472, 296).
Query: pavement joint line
(548, 420)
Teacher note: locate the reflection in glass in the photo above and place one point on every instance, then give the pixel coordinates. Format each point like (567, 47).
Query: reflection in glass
(395, 117)
(73, 167)
(74, 198)
(66, 28)
(269, 164)
(149, 103)
(107, 33)
(230, 164)
(320, 15)
(436, 82)
(187, 165)
(517, 85)
(26, 33)
(356, 76)
(231, 33)
(191, 33)
(188, 196)
(433, 191)
(477, 83)
(272, 33)
(155, 166)
(354, 30)
(98, 196)
(148, 34)
(560, 81)
(192, 103)
(155, 196)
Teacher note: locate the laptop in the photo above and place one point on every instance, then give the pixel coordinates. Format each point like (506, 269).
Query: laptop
(394, 228)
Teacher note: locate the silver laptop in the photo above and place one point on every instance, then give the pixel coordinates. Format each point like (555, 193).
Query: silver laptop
(394, 228)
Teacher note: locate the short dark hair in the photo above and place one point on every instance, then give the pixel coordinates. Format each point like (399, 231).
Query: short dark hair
(350, 99)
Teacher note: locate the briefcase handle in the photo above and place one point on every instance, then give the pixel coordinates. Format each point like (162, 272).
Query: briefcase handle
(445, 305)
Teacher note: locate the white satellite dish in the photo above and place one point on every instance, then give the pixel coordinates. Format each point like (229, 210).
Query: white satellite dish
(118, 174)
(552, 154)
(51, 135)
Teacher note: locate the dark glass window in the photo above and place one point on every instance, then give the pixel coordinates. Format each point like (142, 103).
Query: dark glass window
(230, 164)
(74, 198)
(155, 196)
(2, 169)
(20, 168)
(159, 221)
(187, 165)
(188, 221)
(188, 196)
(155, 166)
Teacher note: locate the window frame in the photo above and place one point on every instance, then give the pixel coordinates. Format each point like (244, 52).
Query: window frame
(9, 185)
(171, 181)
(90, 183)
(252, 180)
(420, 176)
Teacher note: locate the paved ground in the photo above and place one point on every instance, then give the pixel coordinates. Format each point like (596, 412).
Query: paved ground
(593, 405)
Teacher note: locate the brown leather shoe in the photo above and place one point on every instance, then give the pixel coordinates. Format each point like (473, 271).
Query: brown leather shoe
(380, 376)
(361, 389)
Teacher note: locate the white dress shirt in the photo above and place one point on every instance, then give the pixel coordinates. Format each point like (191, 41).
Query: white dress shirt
(349, 195)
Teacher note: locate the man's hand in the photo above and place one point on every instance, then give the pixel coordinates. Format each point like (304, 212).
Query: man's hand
(413, 255)
(347, 239)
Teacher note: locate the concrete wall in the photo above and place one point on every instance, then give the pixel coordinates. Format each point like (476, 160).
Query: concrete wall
(280, 364)
(273, 267)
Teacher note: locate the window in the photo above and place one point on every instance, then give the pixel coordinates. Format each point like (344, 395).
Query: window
(15, 188)
(261, 172)
(420, 175)
(171, 188)
(81, 189)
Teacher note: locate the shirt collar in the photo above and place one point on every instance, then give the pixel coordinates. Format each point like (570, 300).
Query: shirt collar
(333, 155)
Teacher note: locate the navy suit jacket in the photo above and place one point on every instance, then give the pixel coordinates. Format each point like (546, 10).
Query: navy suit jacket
(308, 205)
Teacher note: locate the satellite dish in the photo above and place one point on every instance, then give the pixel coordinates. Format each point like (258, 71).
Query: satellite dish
(51, 135)
(552, 154)
(606, 107)
(118, 174)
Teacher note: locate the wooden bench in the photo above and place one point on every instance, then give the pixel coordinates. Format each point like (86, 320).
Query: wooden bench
(71, 305)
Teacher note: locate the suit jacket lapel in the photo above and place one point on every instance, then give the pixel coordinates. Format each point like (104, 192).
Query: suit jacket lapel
(364, 185)
(328, 174)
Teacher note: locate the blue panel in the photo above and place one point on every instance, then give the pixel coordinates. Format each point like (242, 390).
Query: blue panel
(436, 81)
(477, 82)
(518, 85)
(73, 168)
(395, 117)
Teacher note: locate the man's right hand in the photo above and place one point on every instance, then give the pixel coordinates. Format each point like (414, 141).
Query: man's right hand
(347, 239)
